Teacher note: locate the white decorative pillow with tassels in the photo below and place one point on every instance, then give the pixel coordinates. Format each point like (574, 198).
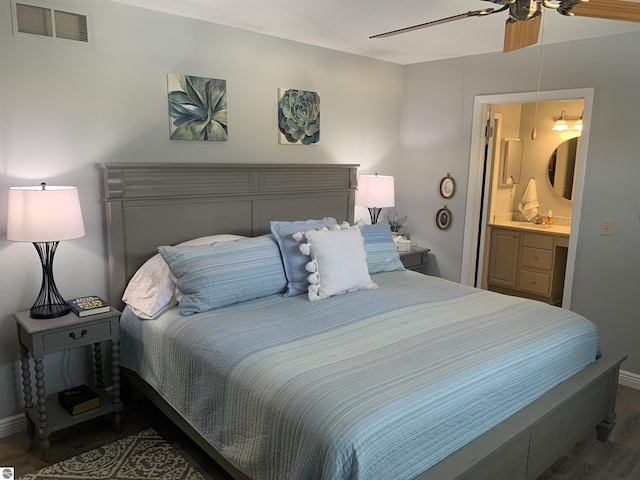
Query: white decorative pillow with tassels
(338, 260)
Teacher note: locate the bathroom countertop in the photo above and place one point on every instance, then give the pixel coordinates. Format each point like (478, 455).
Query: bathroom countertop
(555, 229)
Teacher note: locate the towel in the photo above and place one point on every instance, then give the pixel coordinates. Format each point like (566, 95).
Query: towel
(528, 205)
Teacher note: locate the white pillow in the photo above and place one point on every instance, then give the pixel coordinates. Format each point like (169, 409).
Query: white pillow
(338, 261)
(153, 288)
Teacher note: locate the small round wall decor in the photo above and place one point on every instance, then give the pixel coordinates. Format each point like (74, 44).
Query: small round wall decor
(447, 186)
(443, 218)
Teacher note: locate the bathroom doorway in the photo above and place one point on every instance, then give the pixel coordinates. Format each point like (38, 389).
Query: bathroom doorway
(486, 197)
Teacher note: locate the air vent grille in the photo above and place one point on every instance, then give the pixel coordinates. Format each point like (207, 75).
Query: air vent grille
(35, 20)
(50, 23)
(71, 26)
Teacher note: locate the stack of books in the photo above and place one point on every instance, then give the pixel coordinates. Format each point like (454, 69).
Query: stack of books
(79, 399)
(90, 305)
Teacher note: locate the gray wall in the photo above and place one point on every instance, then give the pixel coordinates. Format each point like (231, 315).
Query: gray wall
(436, 136)
(67, 106)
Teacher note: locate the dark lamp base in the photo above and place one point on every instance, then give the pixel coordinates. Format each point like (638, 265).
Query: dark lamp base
(49, 311)
(49, 304)
(374, 213)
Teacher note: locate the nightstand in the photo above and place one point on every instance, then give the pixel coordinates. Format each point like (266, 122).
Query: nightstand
(415, 259)
(40, 337)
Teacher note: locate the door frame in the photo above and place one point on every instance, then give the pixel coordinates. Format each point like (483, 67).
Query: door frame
(476, 207)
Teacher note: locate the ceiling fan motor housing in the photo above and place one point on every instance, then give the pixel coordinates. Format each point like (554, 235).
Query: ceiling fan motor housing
(522, 10)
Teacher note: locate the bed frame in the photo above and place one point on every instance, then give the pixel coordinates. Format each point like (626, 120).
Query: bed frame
(147, 205)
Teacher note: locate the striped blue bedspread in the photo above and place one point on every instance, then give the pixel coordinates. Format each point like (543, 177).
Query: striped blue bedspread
(378, 384)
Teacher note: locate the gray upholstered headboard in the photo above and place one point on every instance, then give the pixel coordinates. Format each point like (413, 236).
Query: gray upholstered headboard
(153, 204)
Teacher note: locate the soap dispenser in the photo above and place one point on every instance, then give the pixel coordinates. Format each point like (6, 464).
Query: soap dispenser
(549, 219)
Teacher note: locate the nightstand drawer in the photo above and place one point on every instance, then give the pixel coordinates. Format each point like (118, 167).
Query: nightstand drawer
(415, 259)
(76, 336)
(411, 259)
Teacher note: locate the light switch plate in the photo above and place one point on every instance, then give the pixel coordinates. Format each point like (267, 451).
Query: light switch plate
(606, 227)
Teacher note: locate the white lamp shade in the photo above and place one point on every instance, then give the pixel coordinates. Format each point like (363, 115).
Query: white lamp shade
(44, 215)
(375, 191)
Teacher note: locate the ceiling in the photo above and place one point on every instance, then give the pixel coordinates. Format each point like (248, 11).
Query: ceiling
(346, 25)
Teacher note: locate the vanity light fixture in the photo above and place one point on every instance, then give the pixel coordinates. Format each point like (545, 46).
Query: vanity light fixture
(578, 124)
(45, 215)
(560, 125)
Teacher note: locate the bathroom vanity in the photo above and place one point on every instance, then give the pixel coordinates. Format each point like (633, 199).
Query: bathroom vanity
(528, 260)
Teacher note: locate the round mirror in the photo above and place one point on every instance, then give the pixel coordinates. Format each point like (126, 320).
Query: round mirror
(562, 167)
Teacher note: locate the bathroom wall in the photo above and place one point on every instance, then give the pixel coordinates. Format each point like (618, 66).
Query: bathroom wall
(536, 153)
(517, 121)
(508, 117)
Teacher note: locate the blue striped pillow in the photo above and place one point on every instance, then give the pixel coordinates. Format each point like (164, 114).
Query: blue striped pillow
(293, 260)
(213, 276)
(382, 254)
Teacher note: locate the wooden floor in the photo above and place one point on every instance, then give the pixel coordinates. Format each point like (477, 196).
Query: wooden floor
(618, 459)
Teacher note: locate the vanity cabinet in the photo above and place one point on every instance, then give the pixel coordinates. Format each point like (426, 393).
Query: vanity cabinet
(528, 264)
(503, 267)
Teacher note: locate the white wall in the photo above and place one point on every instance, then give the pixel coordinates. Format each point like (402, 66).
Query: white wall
(67, 106)
(436, 136)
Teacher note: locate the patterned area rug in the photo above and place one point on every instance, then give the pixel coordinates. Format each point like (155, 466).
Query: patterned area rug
(143, 456)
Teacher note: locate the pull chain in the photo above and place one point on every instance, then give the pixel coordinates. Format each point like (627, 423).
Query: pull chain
(535, 115)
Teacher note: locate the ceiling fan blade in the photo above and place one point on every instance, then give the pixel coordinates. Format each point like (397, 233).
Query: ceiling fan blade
(625, 10)
(520, 34)
(472, 13)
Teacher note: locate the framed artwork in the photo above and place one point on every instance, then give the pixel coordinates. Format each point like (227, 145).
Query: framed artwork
(447, 186)
(444, 218)
(298, 117)
(197, 108)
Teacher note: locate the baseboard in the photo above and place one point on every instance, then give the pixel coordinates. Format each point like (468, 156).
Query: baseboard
(629, 379)
(11, 425)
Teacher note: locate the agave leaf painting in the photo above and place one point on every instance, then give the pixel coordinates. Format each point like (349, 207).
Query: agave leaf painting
(298, 117)
(197, 108)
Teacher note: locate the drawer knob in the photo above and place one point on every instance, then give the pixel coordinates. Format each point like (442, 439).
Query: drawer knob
(533, 282)
(82, 334)
(536, 258)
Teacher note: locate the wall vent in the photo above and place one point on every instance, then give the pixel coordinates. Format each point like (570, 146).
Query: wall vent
(50, 23)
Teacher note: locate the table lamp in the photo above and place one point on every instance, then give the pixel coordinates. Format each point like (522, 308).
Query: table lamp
(45, 215)
(375, 192)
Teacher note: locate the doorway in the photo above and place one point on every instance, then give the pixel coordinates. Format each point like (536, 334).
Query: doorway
(480, 175)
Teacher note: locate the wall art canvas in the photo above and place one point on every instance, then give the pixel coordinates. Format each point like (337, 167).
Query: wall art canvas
(298, 117)
(197, 108)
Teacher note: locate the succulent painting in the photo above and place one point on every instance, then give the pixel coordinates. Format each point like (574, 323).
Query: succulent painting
(299, 116)
(197, 108)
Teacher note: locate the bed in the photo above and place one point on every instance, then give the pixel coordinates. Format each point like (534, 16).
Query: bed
(351, 386)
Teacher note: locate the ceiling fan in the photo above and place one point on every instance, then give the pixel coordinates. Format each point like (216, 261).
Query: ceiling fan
(523, 24)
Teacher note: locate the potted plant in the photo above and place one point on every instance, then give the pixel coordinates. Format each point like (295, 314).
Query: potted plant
(395, 223)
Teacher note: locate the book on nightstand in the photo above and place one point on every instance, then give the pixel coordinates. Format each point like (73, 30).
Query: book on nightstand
(79, 399)
(89, 305)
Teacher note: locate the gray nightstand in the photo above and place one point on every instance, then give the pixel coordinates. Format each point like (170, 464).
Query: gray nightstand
(415, 259)
(40, 337)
